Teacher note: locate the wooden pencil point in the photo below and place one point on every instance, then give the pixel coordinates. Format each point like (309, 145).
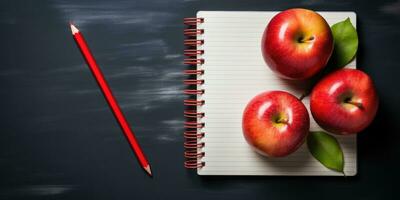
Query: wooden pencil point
(148, 170)
(73, 28)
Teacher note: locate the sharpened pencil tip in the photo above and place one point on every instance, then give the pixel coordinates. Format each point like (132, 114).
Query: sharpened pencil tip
(148, 170)
(73, 28)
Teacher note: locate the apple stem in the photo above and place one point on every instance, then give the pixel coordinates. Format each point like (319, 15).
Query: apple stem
(358, 104)
(303, 40)
(283, 121)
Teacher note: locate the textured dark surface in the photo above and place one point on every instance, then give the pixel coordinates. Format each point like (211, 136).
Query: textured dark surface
(59, 140)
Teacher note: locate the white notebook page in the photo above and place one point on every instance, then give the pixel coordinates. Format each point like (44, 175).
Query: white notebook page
(234, 73)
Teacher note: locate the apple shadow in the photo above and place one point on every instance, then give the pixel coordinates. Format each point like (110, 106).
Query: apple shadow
(302, 87)
(275, 162)
(298, 86)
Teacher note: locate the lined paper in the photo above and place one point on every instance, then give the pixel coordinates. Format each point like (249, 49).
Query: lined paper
(234, 73)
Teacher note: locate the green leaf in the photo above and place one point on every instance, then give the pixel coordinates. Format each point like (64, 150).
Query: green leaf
(326, 149)
(345, 43)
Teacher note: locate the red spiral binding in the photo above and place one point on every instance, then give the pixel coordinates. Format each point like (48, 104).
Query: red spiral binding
(194, 135)
(193, 61)
(193, 42)
(193, 102)
(193, 52)
(194, 165)
(193, 82)
(193, 125)
(193, 144)
(196, 125)
(193, 114)
(193, 21)
(193, 72)
(194, 154)
(193, 32)
(193, 91)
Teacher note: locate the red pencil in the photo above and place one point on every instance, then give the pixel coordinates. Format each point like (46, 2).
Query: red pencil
(80, 41)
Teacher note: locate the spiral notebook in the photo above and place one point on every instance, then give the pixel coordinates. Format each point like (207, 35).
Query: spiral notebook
(226, 70)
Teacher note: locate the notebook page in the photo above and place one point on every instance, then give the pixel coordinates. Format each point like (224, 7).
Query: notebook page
(234, 73)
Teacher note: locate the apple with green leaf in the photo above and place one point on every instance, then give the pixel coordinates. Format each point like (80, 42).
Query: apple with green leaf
(297, 43)
(275, 123)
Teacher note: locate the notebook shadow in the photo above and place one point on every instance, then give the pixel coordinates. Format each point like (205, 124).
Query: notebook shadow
(380, 139)
(218, 183)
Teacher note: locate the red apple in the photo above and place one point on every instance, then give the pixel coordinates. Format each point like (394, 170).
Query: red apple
(275, 123)
(297, 43)
(344, 102)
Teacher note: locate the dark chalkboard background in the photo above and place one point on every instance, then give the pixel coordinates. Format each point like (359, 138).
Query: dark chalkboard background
(59, 140)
